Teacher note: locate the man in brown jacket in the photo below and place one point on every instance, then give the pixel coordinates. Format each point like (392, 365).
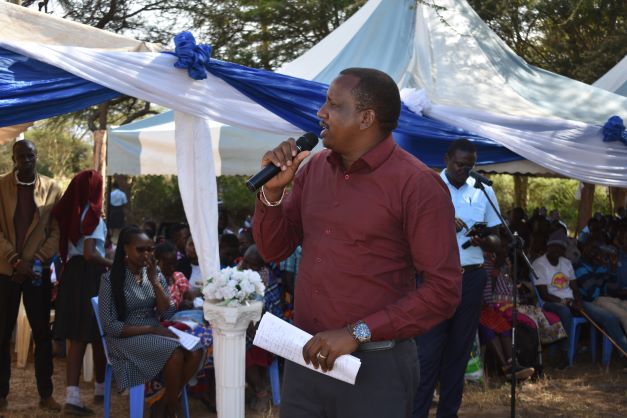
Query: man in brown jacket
(28, 237)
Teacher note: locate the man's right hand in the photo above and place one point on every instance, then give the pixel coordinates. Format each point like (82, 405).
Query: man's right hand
(288, 159)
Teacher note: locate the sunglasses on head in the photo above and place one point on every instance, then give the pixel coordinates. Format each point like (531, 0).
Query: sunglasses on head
(148, 249)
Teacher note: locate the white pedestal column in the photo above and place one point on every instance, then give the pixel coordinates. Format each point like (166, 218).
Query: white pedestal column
(229, 326)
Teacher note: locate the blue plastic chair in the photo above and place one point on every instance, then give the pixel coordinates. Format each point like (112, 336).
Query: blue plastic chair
(136, 393)
(273, 374)
(573, 333)
(607, 348)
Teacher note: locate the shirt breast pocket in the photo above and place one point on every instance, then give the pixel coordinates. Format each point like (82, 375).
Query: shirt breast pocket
(475, 214)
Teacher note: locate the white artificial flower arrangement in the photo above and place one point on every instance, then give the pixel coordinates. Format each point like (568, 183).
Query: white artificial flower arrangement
(234, 287)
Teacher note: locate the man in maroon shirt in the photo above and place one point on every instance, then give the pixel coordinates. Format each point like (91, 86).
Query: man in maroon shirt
(369, 217)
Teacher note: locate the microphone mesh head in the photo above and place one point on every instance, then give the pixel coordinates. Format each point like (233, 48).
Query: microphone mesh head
(307, 142)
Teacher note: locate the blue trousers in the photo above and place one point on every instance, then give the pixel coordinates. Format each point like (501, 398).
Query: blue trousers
(444, 351)
(603, 317)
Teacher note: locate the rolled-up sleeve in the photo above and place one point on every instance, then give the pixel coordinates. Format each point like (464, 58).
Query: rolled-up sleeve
(278, 230)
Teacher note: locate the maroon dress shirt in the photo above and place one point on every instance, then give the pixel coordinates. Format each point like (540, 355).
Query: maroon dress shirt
(365, 233)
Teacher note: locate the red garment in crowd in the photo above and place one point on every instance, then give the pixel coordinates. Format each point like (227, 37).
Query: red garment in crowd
(365, 233)
(178, 287)
(85, 189)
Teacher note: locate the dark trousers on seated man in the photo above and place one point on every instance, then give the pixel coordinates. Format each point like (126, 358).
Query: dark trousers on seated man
(445, 349)
(37, 305)
(385, 387)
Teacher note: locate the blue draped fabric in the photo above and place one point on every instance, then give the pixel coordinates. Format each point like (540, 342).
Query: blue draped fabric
(297, 101)
(31, 90)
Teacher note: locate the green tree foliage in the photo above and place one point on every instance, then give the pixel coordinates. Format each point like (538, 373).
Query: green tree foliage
(552, 193)
(265, 33)
(155, 198)
(62, 151)
(236, 198)
(581, 39)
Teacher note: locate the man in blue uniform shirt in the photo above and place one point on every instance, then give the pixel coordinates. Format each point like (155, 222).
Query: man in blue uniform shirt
(445, 349)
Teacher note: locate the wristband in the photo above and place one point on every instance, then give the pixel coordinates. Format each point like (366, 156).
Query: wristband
(265, 201)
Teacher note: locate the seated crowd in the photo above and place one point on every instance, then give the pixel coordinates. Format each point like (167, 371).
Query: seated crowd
(588, 274)
(152, 281)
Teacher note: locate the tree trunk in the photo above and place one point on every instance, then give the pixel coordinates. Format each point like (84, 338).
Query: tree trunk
(585, 205)
(100, 156)
(619, 197)
(521, 185)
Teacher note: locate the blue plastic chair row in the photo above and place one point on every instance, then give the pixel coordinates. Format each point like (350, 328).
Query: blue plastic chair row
(573, 332)
(136, 393)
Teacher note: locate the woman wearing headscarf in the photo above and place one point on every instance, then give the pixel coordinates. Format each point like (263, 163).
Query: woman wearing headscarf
(81, 245)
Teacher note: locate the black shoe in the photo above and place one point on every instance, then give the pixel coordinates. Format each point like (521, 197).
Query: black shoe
(98, 399)
(77, 410)
(521, 372)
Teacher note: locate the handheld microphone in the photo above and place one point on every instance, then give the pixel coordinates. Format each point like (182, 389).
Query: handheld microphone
(306, 142)
(478, 177)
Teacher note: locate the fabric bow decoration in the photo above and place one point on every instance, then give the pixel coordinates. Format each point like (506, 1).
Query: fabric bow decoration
(614, 130)
(416, 100)
(195, 58)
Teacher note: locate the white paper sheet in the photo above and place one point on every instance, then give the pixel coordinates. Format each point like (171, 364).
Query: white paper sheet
(188, 341)
(287, 341)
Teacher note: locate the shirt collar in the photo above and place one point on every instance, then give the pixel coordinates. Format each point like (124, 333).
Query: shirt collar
(371, 159)
(470, 182)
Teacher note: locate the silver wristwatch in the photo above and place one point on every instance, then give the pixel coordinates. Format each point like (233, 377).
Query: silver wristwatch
(360, 332)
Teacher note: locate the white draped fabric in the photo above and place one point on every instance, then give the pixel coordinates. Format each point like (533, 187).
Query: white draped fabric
(151, 76)
(197, 184)
(472, 78)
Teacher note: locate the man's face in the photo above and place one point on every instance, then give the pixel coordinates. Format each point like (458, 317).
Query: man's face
(339, 116)
(458, 165)
(190, 250)
(554, 252)
(25, 156)
(167, 263)
(181, 238)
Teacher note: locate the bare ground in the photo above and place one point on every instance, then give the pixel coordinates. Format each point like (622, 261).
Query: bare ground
(587, 390)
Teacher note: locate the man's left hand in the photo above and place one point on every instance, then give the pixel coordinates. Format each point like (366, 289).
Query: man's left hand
(325, 347)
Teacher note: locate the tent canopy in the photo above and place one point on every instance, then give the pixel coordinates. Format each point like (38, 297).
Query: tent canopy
(473, 81)
(615, 80)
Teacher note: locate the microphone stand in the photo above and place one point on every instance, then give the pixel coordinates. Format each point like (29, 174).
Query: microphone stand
(516, 244)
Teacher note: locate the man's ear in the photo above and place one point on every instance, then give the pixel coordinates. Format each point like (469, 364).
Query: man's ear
(367, 119)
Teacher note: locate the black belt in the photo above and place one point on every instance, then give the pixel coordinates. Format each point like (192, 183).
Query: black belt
(377, 345)
(471, 267)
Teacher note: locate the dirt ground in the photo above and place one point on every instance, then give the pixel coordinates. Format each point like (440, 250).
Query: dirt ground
(587, 390)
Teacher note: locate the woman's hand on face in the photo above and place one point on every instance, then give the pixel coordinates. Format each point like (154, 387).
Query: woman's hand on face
(151, 265)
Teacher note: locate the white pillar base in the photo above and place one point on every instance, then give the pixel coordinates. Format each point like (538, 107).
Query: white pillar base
(229, 326)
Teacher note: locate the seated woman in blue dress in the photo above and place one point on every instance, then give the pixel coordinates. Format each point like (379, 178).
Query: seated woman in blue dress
(133, 299)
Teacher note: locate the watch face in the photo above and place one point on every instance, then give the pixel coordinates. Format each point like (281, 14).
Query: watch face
(362, 332)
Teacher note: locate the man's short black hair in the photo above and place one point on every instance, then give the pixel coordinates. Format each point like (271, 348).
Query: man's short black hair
(461, 144)
(164, 248)
(23, 142)
(377, 91)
